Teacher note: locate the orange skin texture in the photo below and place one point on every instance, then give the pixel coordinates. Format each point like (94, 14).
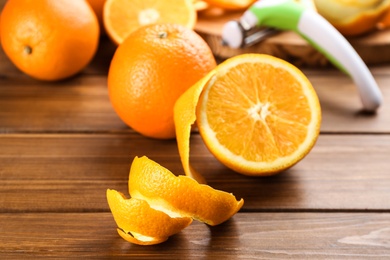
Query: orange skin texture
(150, 70)
(49, 40)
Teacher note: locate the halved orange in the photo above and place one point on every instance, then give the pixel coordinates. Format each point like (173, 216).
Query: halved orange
(179, 196)
(257, 114)
(122, 17)
(140, 224)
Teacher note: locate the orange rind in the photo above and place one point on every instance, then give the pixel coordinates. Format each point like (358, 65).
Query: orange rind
(180, 195)
(163, 204)
(140, 224)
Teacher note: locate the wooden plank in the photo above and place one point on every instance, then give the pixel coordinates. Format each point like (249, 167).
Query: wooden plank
(245, 236)
(71, 172)
(341, 104)
(82, 104)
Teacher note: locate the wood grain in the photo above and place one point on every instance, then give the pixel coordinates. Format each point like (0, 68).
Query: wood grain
(70, 173)
(341, 104)
(81, 104)
(245, 236)
(62, 146)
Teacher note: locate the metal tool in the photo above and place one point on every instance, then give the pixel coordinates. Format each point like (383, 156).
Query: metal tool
(267, 17)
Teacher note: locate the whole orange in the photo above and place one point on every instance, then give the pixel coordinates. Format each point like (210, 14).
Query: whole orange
(49, 39)
(150, 70)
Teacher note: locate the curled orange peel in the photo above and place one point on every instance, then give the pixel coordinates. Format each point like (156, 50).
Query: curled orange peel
(184, 118)
(140, 224)
(163, 204)
(180, 195)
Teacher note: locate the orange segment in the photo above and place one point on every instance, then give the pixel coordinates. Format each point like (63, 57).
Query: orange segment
(122, 17)
(139, 223)
(179, 196)
(257, 114)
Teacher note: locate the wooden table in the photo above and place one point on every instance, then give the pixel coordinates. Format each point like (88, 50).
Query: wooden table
(62, 146)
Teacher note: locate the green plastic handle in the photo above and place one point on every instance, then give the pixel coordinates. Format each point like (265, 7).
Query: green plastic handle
(284, 15)
(291, 15)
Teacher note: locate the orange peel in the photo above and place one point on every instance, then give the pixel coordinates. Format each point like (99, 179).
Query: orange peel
(180, 195)
(140, 224)
(163, 204)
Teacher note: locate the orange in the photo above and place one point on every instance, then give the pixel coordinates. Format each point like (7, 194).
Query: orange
(49, 40)
(97, 6)
(353, 18)
(257, 114)
(140, 224)
(150, 70)
(231, 4)
(122, 17)
(179, 195)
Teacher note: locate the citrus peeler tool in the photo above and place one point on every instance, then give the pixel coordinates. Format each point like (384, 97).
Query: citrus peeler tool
(266, 17)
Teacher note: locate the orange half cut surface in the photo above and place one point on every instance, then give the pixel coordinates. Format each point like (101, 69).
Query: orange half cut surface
(122, 17)
(257, 114)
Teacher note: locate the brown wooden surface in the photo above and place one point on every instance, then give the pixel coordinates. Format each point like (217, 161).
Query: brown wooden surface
(62, 146)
